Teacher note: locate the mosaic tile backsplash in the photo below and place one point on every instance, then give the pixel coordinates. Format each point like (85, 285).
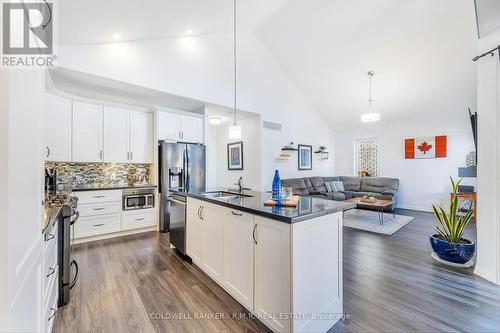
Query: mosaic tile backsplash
(87, 174)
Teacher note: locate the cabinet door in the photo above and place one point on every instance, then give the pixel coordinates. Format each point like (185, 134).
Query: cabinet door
(116, 133)
(212, 218)
(272, 272)
(194, 231)
(169, 126)
(58, 129)
(141, 137)
(87, 132)
(191, 129)
(238, 256)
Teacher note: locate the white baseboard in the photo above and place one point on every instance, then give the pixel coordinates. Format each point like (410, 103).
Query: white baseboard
(114, 234)
(419, 208)
(485, 274)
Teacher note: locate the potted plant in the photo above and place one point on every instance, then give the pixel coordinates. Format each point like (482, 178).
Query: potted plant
(448, 243)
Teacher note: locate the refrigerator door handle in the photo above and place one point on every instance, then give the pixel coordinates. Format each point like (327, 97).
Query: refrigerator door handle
(188, 170)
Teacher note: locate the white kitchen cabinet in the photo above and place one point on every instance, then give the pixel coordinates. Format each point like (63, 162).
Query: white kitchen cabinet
(191, 129)
(238, 256)
(272, 272)
(58, 129)
(116, 135)
(87, 132)
(212, 220)
(175, 127)
(141, 137)
(194, 231)
(169, 126)
(96, 225)
(140, 218)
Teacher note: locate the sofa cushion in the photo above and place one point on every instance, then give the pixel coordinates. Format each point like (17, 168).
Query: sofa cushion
(338, 186)
(348, 194)
(318, 184)
(298, 185)
(331, 179)
(337, 196)
(379, 184)
(308, 185)
(351, 183)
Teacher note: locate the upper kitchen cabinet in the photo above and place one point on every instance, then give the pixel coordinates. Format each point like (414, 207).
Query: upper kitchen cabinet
(87, 132)
(175, 127)
(169, 126)
(116, 135)
(58, 129)
(191, 129)
(141, 137)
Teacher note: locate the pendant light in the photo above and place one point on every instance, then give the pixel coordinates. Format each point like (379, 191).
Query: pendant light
(235, 129)
(370, 117)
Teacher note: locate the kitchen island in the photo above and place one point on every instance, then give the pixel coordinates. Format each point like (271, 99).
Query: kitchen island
(283, 264)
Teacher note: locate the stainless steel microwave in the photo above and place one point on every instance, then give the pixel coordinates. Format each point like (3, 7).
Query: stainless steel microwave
(138, 200)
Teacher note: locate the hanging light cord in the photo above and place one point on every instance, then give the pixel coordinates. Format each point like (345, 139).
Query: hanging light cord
(234, 56)
(370, 100)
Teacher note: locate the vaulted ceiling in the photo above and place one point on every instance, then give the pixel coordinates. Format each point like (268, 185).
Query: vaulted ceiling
(420, 50)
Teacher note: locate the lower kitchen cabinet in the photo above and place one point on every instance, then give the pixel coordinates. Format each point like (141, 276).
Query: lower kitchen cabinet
(212, 217)
(138, 219)
(239, 256)
(95, 225)
(194, 231)
(272, 273)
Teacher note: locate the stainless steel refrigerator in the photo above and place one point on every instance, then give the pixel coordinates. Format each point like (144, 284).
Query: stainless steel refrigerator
(181, 169)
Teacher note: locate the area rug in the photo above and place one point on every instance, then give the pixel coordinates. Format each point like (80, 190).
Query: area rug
(368, 220)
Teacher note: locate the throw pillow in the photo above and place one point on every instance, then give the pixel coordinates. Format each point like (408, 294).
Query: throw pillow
(338, 186)
(328, 186)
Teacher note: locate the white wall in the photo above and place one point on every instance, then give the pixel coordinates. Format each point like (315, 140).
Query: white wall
(250, 137)
(423, 182)
(488, 215)
(201, 68)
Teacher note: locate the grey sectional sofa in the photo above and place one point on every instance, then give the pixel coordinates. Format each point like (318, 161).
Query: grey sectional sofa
(380, 187)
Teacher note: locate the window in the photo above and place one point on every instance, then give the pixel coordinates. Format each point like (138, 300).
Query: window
(366, 158)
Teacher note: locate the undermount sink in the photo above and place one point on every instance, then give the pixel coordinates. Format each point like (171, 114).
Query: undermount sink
(223, 195)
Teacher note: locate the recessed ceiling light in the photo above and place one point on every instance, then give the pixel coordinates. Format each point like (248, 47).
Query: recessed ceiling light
(116, 36)
(215, 121)
(370, 117)
(189, 31)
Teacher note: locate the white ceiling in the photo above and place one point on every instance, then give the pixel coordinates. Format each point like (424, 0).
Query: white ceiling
(97, 21)
(420, 51)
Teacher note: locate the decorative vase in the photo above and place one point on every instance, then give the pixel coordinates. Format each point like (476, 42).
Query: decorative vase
(458, 253)
(470, 159)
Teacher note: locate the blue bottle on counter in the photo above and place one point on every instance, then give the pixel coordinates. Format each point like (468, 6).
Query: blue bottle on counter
(276, 189)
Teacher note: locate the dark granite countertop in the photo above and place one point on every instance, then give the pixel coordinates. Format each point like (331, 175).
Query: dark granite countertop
(102, 187)
(308, 207)
(50, 214)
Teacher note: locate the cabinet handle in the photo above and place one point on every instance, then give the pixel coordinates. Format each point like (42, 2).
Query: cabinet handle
(202, 215)
(253, 234)
(49, 237)
(99, 225)
(182, 135)
(131, 155)
(100, 155)
(237, 214)
(48, 151)
(100, 208)
(199, 214)
(53, 313)
(142, 218)
(51, 271)
(98, 196)
(179, 135)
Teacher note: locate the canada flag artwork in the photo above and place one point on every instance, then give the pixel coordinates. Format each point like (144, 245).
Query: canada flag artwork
(428, 147)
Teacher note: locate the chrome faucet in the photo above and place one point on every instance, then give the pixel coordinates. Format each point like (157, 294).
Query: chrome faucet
(239, 182)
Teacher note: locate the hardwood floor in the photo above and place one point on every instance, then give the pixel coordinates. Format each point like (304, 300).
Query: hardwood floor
(134, 283)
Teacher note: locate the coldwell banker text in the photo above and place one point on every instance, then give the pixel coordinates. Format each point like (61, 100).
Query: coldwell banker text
(27, 30)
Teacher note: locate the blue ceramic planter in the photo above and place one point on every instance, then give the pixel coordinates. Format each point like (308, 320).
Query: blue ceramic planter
(457, 253)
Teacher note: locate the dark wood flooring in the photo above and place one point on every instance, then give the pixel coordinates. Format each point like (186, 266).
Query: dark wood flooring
(391, 284)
